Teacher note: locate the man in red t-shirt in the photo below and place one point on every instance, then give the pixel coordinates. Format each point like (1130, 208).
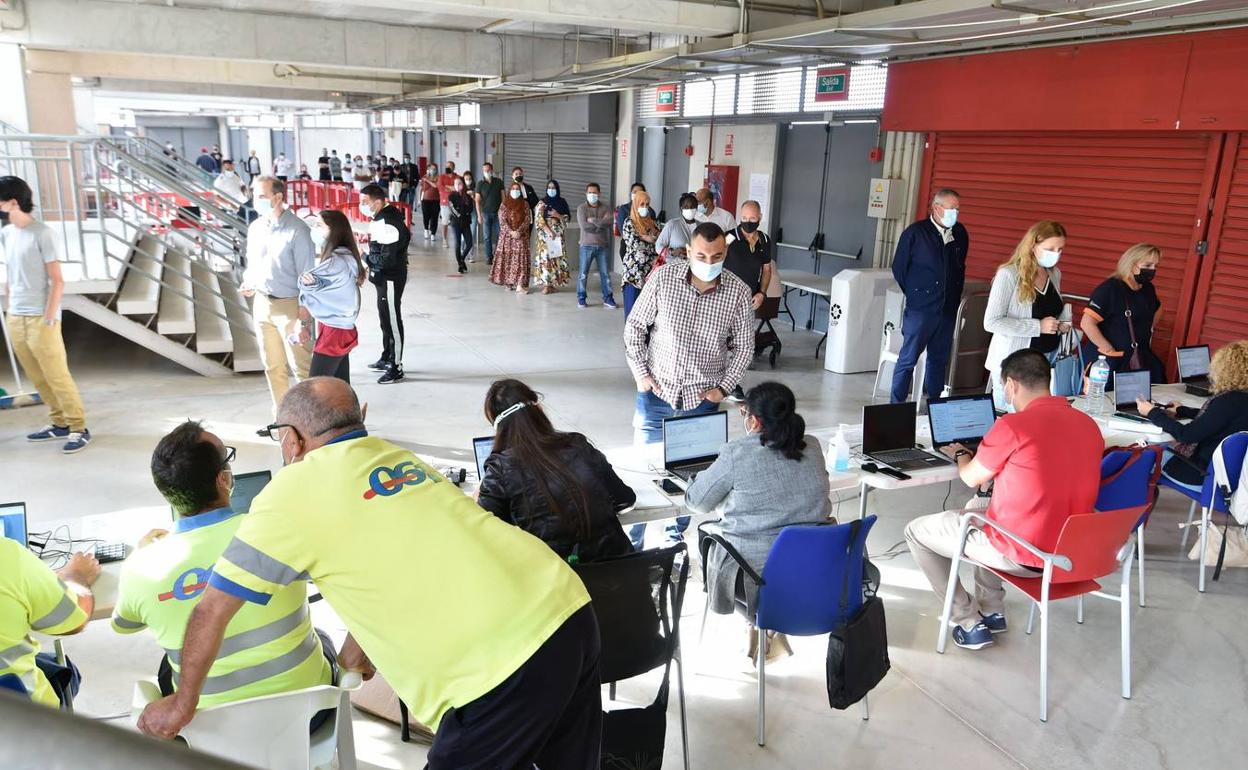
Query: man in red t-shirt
(446, 186)
(1046, 460)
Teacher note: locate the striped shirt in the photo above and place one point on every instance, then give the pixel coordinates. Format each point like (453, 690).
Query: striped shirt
(267, 648)
(697, 340)
(32, 598)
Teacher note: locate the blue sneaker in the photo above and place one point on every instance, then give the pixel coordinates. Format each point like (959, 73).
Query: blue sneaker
(580, 304)
(50, 433)
(977, 638)
(77, 442)
(609, 303)
(995, 622)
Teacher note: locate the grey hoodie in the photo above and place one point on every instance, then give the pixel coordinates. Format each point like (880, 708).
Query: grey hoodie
(333, 298)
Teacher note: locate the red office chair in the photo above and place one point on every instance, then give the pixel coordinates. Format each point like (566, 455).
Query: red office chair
(1091, 546)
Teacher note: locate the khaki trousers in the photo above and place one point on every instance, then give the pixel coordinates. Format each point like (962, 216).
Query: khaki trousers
(933, 541)
(271, 318)
(40, 350)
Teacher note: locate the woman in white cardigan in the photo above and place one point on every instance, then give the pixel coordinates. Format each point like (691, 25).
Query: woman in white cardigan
(1025, 308)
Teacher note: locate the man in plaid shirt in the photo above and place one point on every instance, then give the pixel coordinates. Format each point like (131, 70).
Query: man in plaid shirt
(688, 341)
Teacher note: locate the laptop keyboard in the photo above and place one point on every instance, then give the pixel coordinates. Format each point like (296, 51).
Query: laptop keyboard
(689, 471)
(901, 455)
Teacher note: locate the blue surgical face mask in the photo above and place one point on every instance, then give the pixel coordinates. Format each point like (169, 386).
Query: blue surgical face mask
(949, 218)
(1048, 258)
(551, 192)
(1009, 403)
(263, 206)
(701, 209)
(592, 198)
(515, 193)
(705, 271)
(643, 211)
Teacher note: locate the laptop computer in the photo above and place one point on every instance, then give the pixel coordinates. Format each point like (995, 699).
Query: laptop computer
(246, 487)
(960, 419)
(481, 449)
(691, 443)
(13, 522)
(1130, 385)
(888, 437)
(1194, 369)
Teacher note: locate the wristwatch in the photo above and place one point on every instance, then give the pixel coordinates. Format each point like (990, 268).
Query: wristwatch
(725, 393)
(958, 454)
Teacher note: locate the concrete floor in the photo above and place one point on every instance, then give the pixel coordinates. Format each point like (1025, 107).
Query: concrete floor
(961, 710)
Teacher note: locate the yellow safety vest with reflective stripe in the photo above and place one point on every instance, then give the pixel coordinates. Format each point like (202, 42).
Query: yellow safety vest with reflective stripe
(267, 648)
(32, 598)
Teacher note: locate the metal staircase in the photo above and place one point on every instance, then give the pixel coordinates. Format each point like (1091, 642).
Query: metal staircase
(149, 250)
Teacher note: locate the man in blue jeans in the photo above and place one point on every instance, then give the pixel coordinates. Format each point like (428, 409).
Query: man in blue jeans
(595, 223)
(930, 268)
(489, 198)
(688, 341)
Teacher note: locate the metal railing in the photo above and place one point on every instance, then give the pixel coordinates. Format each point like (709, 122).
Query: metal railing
(107, 205)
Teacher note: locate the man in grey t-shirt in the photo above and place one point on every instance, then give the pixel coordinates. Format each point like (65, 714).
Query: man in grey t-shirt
(34, 288)
(594, 219)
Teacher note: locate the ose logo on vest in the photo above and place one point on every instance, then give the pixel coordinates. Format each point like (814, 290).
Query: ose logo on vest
(395, 479)
(188, 585)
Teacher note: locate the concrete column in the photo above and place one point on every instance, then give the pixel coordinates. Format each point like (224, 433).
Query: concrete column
(13, 74)
(223, 138)
(42, 103)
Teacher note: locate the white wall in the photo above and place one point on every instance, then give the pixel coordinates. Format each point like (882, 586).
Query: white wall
(261, 140)
(458, 149)
(13, 74)
(753, 151)
(312, 140)
(393, 143)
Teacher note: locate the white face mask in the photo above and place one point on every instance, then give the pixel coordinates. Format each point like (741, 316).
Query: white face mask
(551, 192)
(643, 211)
(1048, 258)
(515, 193)
(949, 218)
(263, 206)
(592, 198)
(488, 175)
(1009, 402)
(366, 209)
(688, 214)
(704, 271)
(701, 208)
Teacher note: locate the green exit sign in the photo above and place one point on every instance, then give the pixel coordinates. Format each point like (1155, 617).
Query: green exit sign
(832, 84)
(665, 98)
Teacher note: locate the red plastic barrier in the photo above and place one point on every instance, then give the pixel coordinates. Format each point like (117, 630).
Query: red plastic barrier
(297, 191)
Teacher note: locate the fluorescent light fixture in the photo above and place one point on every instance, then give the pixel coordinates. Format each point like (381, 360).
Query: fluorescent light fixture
(852, 121)
(808, 123)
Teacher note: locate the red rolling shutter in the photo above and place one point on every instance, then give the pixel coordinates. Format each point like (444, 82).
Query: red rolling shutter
(1109, 189)
(1220, 312)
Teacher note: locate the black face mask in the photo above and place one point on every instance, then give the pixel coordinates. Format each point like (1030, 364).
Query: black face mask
(1146, 276)
(518, 178)
(749, 227)
(450, 170)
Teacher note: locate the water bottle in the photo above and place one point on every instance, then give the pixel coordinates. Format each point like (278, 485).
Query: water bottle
(1098, 377)
(840, 450)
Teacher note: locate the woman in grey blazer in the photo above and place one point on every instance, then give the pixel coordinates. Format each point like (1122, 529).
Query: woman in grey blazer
(771, 478)
(1025, 307)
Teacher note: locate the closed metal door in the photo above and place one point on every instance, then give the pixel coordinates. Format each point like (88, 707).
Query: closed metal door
(1219, 314)
(530, 152)
(577, 160)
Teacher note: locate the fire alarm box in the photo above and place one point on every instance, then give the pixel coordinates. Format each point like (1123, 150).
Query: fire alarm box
(886, 199)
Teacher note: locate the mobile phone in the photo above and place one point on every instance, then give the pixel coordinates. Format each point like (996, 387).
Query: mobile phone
(668, 487)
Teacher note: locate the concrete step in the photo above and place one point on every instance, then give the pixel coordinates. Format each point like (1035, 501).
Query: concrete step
(212, 333)
(177, 312)
(140, 294)
(246, 348)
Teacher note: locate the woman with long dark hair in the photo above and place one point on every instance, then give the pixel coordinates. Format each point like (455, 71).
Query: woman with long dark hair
(553, 485)
(329, 293)
(771, 478)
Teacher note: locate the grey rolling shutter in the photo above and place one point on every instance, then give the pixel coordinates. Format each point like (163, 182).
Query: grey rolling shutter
(578, 160)
(530, 152)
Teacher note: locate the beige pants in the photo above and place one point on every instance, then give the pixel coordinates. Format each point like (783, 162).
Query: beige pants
(41, 351)
(272, 317)
(933, 541)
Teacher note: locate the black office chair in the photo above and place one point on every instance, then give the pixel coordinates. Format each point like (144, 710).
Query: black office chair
(638, 599)
(766, 313)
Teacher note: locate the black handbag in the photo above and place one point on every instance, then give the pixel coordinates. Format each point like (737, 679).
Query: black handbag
(857, 649)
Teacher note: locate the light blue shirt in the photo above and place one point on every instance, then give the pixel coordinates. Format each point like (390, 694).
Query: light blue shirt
(278, 252)
(26, 252)
(334, 297)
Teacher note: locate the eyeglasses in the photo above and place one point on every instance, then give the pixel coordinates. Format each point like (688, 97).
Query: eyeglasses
(230, 454)
(274, 430)
(744, 412)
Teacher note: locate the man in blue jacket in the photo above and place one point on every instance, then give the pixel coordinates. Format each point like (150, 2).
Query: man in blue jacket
(930, 267)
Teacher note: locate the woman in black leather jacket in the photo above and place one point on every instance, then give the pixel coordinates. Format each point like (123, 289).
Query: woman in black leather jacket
(553, 485)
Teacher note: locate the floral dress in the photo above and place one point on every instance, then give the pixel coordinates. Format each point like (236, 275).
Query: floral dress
(511, 256)
(638, 256)
(547, 269)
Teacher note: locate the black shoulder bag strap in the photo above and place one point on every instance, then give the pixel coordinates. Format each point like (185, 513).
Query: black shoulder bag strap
(854, 528)
(1134, 360)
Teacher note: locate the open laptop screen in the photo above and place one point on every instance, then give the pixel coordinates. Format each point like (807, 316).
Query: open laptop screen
(246, 487)
(961, 418)
(481, 449)
(888, 426)
(13, 522)
(695, 438)
(1193, 362)
(1128, 386)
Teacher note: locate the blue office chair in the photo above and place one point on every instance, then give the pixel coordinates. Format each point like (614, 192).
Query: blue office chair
(802, 557)
(1129, 479)
(1233, 448)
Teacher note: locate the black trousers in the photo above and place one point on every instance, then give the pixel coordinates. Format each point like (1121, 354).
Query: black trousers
(548, 713)
(389, 285)
(463, 241)
(429, 211)
(330, 366)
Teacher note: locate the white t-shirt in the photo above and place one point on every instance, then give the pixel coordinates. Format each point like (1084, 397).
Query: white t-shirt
(230, 184)
(25, 251)
(282, 166)
(722, 217)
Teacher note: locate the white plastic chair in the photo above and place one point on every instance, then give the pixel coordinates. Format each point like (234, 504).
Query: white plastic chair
(271, 731)
(890, 350)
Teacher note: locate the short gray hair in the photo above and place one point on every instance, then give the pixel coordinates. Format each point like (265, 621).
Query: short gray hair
(753, 203)
(945, 192)
(319, 405)
(276, 186)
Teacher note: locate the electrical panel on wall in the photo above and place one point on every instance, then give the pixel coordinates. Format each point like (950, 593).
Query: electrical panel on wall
(886, 199)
